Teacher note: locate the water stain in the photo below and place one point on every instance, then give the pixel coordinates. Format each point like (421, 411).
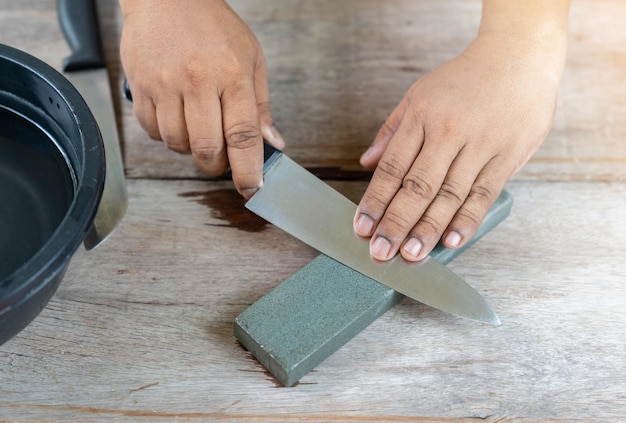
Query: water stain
(227, 205)
(339, 174)
(412, 69)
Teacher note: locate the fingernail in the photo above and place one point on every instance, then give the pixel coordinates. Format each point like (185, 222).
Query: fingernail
(249, 192)
(364, 225)
(380, 248)
(453, 239)
(413, 247)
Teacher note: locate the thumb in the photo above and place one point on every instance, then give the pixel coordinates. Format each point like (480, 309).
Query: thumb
(269, 131)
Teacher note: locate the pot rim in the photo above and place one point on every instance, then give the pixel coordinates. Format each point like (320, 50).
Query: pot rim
(55, 254)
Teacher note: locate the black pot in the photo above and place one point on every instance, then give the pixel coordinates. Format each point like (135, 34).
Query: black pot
(51, 179)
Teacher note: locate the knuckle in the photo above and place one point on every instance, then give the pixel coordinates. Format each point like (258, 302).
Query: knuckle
(242, 136)
(390, 168)
(234, 67)
(447, 129)
(451, 192)
(148, 125)
(482, 194)
(175, 142)
(429, 227)
(419, 186)
(154, 135)
(395, 221)
(180, 146)
(206, 150)
(469, 216)
(195, 72)
(477, 204)
(373, 203)
(395, 226)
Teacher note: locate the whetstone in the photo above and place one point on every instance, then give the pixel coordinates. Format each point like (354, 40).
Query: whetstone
(314, 312)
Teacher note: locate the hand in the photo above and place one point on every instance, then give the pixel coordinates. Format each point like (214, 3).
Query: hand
(447, 150)
(198, 78)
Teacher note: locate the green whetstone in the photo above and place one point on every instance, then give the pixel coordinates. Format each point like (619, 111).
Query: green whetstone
(321, 307)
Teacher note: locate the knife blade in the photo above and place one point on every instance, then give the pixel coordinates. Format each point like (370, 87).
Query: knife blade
(302, 205)
(85, 68)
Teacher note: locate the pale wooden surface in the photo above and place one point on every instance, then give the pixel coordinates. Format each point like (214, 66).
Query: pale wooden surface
(141, 328)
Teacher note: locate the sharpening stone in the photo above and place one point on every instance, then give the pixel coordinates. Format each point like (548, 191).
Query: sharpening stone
(314, 312)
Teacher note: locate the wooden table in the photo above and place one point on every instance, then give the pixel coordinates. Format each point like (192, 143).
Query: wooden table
(141, 328)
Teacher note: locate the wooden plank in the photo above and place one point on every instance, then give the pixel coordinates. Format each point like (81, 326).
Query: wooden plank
(142, 326)
(336, 72)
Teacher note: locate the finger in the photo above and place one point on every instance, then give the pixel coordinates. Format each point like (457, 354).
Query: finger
(372, 155)
(484, 192)
(203, 116)
(269, 131)
(451, 196)
(419, 187)
(388, 176)
(171, 121)
(145, 111)
(242, 133)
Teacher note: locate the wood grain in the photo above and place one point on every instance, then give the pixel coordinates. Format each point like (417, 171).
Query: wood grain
(337, 71)
(141, 328)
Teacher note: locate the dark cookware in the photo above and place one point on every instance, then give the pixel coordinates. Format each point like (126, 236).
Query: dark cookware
(51, 179)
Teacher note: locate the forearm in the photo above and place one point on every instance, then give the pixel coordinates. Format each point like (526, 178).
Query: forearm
(535, 28)
(132, 6)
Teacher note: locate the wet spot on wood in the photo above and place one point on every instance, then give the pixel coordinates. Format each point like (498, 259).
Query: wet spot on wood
(227, 205)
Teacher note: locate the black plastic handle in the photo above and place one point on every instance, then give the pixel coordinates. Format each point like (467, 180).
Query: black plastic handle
(79, 22)
(270, 155)
(268, 151)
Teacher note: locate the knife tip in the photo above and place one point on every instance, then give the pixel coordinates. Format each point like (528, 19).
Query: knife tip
(487, 316)
(493, 319)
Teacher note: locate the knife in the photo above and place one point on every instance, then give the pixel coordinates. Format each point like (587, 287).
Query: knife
(302, 205)
(86, 70)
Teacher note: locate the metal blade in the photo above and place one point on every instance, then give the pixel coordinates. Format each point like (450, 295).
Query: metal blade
(302, 205)
(94, 87)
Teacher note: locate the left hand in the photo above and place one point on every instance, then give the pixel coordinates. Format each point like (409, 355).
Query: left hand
(445, 153)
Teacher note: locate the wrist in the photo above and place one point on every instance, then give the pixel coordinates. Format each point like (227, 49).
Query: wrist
(534, 31)
(129, 7)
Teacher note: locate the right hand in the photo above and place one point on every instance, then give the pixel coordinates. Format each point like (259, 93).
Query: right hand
(199, 84)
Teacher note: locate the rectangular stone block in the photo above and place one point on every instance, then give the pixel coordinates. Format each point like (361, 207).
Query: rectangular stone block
(314, 312)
